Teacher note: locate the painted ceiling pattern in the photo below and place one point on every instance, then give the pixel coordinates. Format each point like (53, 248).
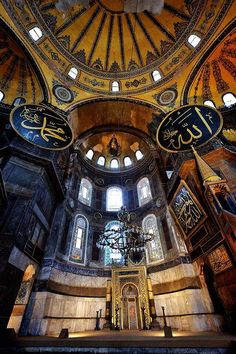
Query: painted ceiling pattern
(217, 74)
(17, 77)
(106, 44)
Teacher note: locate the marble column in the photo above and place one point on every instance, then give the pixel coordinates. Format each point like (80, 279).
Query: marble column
(154, 324)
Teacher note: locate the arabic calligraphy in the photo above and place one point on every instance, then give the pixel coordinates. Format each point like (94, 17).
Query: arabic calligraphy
(186, 210)
(189, 125)
(41, 126)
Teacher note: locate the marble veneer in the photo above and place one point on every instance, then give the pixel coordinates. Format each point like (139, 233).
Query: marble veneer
(71, 301)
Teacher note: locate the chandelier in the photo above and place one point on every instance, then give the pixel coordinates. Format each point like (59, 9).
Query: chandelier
(125, 238)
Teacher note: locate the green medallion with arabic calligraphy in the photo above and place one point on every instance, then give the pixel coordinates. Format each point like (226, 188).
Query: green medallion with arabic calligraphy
(41, 126)
(191, 125)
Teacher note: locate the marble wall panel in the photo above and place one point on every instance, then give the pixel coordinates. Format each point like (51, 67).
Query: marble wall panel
(186, 310)
(174, 273)
(52, 312)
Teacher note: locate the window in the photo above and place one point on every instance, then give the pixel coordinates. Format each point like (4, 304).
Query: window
(209, 103)
(19, 100)
(115, 86)
(114, 163)
(79, 238)
(112, 255)
(114, 199)
(101, 161)
(144, 191)
(154, 248)
(90, 154)
(229, 99)
(73, 73)
(194, 40)
(85, 191)
(156, 75)
(36, 33)
(1, 96)
(138, 155)
(127, 161)
(169, 173)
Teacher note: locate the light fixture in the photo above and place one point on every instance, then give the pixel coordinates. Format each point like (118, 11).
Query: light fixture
(126, 238)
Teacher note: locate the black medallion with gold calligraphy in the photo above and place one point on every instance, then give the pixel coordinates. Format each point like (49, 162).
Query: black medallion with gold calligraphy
(41, 126)
(191, 125)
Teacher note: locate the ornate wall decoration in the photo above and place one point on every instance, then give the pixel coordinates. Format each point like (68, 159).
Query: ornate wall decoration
(206, 91)
(166, 97)
(221, 84)
(136, 83)
(63, 94)
(219, 259)
(99, 181)
(41, 126)
(94, 82)
(186, 209)
(191, 125)
(97, 216)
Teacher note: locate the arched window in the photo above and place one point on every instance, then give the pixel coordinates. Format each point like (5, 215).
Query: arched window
(85, 191)
(101, 161)
(209, 103)
(89, 154)
(194, 40)
(18, 100)
(229, 99)
(79, 239)
(154, 248)
(114, 163)
(169, 173)
(138, 155)
(110, 254)
(127, 161)
(156, 75)
(114, 199)
(36, 33)
(1, 96)
(73, 73)
(144, 191)
(115, 87)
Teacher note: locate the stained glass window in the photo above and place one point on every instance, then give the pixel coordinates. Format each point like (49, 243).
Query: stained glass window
(112, 256)
(144, 191)
(114, 198)
(154, 248)
(79, 237)
(85, 191)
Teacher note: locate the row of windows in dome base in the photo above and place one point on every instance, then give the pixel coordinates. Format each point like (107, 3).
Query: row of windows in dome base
(114, 195)
(228, 99)
(150, 225)
(36, 33)
(114, 163)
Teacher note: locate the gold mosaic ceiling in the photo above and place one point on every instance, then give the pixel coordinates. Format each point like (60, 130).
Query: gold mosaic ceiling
(17, 76)
(105, 44)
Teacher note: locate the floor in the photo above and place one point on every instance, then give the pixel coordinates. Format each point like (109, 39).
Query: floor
(130, 342)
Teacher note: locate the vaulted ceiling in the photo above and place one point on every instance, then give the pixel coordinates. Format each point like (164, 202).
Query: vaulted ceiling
(106, 44)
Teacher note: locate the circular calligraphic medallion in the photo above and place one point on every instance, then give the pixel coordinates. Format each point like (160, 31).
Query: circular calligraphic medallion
(63, 93)
(166, 97)
(41, 126)
(190, 125)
